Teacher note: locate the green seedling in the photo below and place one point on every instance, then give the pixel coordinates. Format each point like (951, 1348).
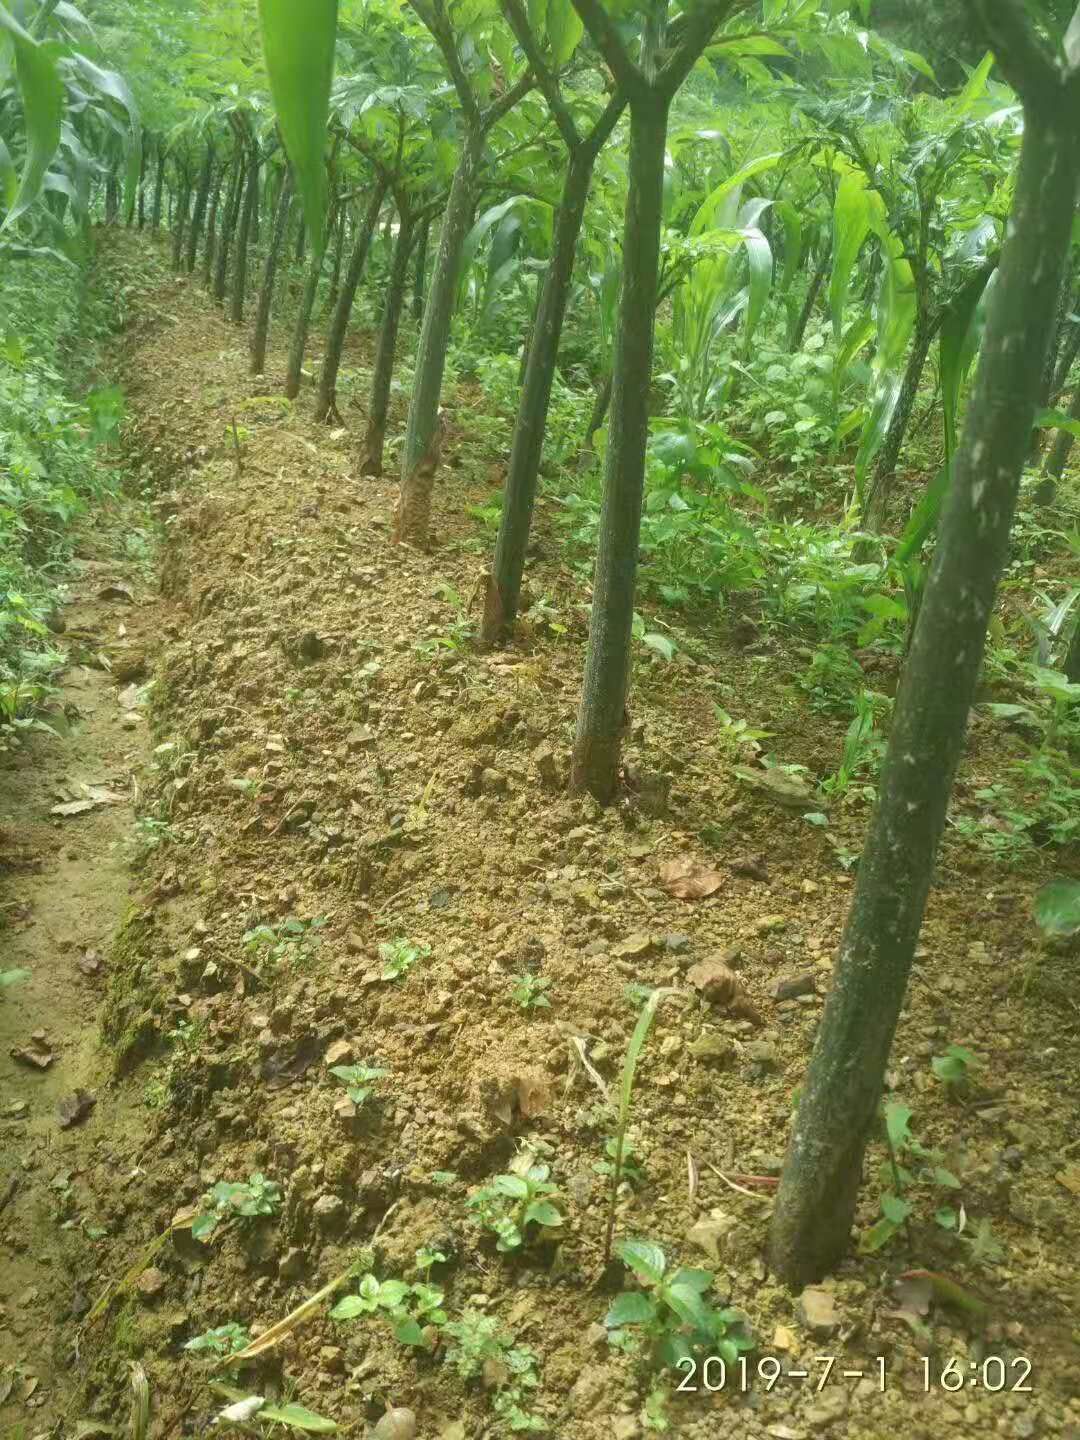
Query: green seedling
(626, 1088)
(632, 1172)
(223, 1340)
(954, 1069)
(513, 1202)
(527, 991)
(399, 956)
(293, 939)
(233, 1201)
(415, 1311)
(910, 1166)
(359, 1080)
(671, 1313)
(479, 1349)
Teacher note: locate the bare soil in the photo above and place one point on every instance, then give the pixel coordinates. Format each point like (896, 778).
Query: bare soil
(337, 751)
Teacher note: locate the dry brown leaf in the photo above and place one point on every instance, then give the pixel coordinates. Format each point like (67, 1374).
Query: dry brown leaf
(720, 986)
(689, 879)
(35, 1053)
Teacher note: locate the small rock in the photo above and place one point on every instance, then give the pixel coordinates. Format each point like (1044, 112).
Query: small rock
(339, 1053)
(311, 646)
(763, 1054)
(676, 944)
(151, 1282)
(292, 1264)
(826, 1409)
(330, 1214)
(634, 948)
(548, 767)
(769, 924)
(783, 1339)
(786, 790)
(816, 1311)
(396, 1424)
(752, 866)
(492, 782)
(710, 1231)
(711, 1048)
(330, 1358)
(790, 987)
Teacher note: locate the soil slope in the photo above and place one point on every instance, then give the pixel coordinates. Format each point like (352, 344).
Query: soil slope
(335, 769)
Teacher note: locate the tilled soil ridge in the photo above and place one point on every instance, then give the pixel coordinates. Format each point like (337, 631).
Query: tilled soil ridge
(366, 855)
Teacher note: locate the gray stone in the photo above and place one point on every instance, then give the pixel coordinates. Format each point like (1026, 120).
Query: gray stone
(330, 1213)
(816, 1311)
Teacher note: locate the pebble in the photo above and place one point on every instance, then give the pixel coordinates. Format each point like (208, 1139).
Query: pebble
(816, 1311)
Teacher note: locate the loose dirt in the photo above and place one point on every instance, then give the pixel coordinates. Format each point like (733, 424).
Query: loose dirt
(333, 768)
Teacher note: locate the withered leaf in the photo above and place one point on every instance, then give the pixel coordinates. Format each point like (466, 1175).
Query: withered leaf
(689, 879)
(36, 1052)
(720, 986)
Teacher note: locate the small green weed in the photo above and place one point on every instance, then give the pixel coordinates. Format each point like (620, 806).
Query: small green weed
(512, 1203)
(399, 956)
(528, 992)
(359, 1080)
(237, 1200)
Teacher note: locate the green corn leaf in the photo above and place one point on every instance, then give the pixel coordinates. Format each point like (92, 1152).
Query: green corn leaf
(858, 334)
(851, 225)
(961, 331)
(43, 107)
(896, 319)
(1057, 420)
(114, 87)
(793, 243)
(707, 216)
(9, 177)
(298, 42)
(923, 519)
(300, 1418)
(975, 88)
(760, 260)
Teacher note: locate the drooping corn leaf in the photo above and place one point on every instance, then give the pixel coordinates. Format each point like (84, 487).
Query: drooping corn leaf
(298, 43)
(43, 105)
(851, 225)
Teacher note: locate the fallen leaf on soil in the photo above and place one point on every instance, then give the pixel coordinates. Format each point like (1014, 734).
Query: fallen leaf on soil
(947, 1291)
(131, 697)
(36, 1052)
(94, 795)
(117, 592)
(529, 1093)
(688, 879)
(915, 1293)
(787, 790)
(73, 1109)
(720, 986)
(1070, 1178)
